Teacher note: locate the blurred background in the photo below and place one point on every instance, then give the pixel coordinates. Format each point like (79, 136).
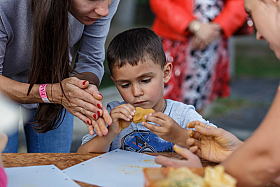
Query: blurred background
(255, 78)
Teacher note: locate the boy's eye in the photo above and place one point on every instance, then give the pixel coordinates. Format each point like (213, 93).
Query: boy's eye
(124, 85)
(146, 80)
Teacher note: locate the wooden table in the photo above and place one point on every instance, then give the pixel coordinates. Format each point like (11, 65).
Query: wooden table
(65, 160)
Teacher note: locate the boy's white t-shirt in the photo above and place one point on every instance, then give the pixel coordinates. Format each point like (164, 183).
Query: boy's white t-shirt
(138, 138)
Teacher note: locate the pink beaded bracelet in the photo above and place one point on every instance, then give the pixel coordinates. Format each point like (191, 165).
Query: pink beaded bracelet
(43, 93)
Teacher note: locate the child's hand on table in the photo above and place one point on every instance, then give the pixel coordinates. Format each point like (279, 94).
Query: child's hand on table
(121, 116)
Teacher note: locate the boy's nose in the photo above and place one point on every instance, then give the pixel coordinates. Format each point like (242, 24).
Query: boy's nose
(137, 91)
(102, 8)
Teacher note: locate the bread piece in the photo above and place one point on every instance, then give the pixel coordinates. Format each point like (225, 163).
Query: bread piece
(140, 114)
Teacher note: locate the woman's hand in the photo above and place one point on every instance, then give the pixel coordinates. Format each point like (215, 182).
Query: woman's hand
(83, 101)
(191, 159)
(215, 145)
(102, 117)
(167, 128)
(205, 35)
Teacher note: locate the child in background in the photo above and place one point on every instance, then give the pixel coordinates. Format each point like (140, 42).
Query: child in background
(139, 70)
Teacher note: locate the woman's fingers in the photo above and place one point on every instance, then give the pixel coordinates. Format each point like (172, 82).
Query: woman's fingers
(194, 161)
(170, 162)
(193, 124)
(191, 159)
(82, 117)
(90, 129)
(196, 150)
(100, 127)
(106, 116)
(193, 142)
(203, 129)
(84, 101)
(193, 149)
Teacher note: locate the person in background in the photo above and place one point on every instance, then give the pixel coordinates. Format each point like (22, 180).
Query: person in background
(195, 36)
(256, 161)
(139, 70)
(38, 40)
(8, 117)
(3, 176)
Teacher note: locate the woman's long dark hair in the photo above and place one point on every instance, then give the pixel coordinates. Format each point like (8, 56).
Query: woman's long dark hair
(50, 56)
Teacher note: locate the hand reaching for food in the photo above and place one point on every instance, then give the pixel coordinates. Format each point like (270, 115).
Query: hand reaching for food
(216, 144)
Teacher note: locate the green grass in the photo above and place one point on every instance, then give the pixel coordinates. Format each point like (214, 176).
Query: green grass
(268, 67)
(224, 105)
(256, 60)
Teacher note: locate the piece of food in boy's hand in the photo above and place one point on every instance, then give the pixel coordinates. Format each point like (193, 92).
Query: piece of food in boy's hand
(140, 114)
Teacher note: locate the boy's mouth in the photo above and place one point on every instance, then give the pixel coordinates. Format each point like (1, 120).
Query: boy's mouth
(139, 103)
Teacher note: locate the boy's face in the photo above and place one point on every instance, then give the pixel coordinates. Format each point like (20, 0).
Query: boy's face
(142, 85)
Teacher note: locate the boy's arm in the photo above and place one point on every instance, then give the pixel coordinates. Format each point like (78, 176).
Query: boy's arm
(121, 117)
(97, 144)
(167, 128)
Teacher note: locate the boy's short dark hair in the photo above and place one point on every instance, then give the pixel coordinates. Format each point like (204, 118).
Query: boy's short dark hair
(133, 46)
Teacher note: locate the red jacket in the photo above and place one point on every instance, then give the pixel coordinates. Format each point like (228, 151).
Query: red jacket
(174, 16)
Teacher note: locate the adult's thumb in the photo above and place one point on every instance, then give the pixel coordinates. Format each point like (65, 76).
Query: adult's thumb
(183, 152)
(207, 130)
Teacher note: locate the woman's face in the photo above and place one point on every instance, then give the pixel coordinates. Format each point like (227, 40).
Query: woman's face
(88, 11)
(266, 17)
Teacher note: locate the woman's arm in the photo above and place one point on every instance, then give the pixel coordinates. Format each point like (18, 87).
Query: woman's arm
(80, 99)
(17, 91)
(257, 161)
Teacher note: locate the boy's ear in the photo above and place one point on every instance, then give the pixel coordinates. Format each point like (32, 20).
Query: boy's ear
(112, 79)
(167, 71)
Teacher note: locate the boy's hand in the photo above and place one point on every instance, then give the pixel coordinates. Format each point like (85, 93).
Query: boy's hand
(167, 128)
(216, 144)
(121, 116)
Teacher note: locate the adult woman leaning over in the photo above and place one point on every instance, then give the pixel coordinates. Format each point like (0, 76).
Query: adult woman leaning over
(37, 43)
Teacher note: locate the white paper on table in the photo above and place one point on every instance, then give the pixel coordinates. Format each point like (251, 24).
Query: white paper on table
(113, 169)
(38, 176)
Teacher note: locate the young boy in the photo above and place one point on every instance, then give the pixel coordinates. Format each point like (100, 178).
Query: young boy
(139, 70)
